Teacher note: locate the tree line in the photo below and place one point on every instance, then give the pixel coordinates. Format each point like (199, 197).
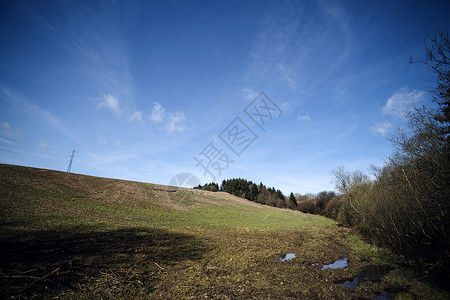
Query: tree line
(249, 190)
(310, 203)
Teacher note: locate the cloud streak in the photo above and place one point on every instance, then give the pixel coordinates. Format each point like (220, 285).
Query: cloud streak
(43, 145)
(30, 108)
(305, 118)
(382, 128)
(176, 122)
(402, 101)
(8, 130)
(96, 42)
(289, 48)
(157, 113)
(112, 103)
(249, 94)
(171, 122)
(287, 75)
(136, 116)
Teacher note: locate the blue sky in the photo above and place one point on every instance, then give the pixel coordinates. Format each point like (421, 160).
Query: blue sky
(143, 90)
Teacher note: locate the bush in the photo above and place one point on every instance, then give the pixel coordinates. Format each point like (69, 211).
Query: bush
(308, 206)
(211, 188)
(331, 209)
(323, 198)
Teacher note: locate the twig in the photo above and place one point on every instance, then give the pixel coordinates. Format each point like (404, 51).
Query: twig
(158, 266)
(20, 276)
(39, 278)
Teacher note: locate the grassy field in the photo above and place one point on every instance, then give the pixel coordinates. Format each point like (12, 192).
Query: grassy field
(73, 236)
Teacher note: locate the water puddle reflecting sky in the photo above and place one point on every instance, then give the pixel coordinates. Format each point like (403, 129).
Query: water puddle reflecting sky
(338, 264)
(285, 257)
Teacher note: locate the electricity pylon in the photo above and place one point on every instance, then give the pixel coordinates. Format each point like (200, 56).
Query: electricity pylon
(70, 162)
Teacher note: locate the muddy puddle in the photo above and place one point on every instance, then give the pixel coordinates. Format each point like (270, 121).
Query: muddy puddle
(287, 256)
(368, 273)
(385, 296)
(371, 273)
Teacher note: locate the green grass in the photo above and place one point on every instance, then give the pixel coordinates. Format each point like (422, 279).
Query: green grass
(72, 236)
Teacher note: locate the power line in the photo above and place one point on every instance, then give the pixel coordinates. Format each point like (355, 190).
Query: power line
(30, 155)
(7, 141)
(27, 149)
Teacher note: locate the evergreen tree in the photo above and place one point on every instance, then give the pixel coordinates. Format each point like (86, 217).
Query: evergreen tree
(292, 199)
(254, 192)
(280, 195)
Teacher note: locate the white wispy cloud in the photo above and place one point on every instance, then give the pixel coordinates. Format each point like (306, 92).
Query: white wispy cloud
(10, 131)
(100, 51)
(136, 116)
(249, 93)
(157, 113)
(176, 122)
(43, 145)
(171, 121)
(272, 41)
(402, 101)
(110, 102)
(336, 12)
(349, 130)
(381, 128)
(287, 75)
(25, 105)
(304, 118)
(289, 48)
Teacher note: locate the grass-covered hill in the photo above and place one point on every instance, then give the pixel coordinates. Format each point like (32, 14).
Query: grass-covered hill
(74, 236)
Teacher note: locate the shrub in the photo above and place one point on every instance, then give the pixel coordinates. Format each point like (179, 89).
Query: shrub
(308, 206)
(323, 198)
(331, 209)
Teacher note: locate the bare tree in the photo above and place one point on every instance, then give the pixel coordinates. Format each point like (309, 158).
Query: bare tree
(437, 58)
